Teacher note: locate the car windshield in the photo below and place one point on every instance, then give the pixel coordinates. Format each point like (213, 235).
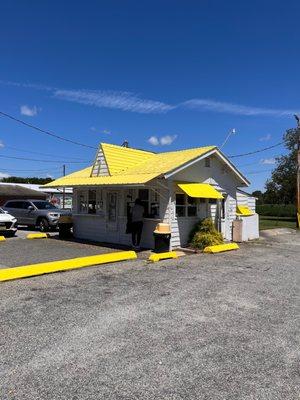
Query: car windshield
(44, 205)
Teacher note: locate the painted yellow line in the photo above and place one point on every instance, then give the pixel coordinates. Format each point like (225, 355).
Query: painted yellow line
(162, 256)
(25, 271)
(37, 236)
(221, 247)
(2, 239)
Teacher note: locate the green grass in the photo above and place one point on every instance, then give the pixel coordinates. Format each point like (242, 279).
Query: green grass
(266, 222)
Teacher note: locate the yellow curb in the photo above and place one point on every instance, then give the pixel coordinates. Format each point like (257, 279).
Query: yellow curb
(221, 247)
(162, 256)
(2, 239)
(37, 236)
(25, 271)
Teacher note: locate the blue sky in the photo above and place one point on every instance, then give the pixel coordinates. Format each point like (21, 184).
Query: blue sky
(181, 74)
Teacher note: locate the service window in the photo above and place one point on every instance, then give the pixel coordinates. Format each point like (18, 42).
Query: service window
(92, 202)
(144, 197)
(82, 204)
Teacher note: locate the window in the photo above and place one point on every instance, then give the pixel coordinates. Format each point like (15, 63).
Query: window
(180, 205)
(83, 203)
(186, 206)
(14, 204)
(42, 205)
(144, 197)
(191, 206)
(92, 202)
(207, 162)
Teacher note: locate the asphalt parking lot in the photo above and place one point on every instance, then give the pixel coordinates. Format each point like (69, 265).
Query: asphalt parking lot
(222, 326)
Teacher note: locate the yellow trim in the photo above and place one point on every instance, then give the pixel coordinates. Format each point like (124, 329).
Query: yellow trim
(2, 239)
(244, 211)
(162, 256)
(64, 265)
(298, 215)
(37, 236)
(200, 190)
(221, 247)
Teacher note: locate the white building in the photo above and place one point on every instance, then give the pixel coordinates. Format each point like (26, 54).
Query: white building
(178, 188)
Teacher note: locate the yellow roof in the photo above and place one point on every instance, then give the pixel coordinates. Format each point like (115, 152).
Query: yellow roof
(119, 158)
(131, 166)
(243, 211)
(200, 190)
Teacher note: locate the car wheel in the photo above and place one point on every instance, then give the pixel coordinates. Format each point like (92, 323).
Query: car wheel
(44, 225)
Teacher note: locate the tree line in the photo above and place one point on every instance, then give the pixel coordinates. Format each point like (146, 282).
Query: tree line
(281, 187)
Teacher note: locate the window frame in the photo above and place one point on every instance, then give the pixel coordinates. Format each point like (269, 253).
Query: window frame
(187, 206)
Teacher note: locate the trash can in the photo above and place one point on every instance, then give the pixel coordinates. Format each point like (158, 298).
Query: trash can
(162, 237)
(65, 225)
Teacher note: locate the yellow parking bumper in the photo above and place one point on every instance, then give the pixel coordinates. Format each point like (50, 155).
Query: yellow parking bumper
(64, 265)
(37, 236)
(162, 256)
(221, 247)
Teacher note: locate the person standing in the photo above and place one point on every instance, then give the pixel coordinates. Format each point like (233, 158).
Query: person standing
(137, 223)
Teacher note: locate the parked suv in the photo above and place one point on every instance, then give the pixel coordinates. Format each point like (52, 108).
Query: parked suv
(34, 213)
(8, 223)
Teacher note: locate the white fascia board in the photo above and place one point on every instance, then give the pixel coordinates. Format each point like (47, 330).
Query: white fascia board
(214, 151)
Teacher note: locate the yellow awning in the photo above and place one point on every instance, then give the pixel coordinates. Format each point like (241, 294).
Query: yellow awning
(244, 211)
(200, 190)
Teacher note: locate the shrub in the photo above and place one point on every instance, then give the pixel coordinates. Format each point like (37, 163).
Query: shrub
(205, 234)
(276, 210)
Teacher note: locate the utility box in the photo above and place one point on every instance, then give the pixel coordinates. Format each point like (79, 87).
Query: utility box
(237, 230)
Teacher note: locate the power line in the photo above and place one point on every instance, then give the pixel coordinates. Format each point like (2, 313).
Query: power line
(49, 133)
(31, 170)
(256, 151)
(39, 153)
(259, 172)
(47, 161)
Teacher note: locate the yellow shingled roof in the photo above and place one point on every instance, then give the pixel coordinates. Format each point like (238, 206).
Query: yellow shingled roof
(120, 158)
(131, 166)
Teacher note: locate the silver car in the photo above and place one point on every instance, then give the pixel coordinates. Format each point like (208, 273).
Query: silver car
(35, 213)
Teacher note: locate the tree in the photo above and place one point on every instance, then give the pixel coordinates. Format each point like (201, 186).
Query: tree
(281, 188)
(32, 180)
(259, 195)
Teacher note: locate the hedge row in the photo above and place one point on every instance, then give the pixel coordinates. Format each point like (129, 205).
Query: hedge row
(276, 210)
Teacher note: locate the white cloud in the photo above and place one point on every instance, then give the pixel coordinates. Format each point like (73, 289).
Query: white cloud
(163, 140)
(265, 138)
(127, 101)
(28, 111)
(230, 108)
(105, 131)
(153, 140)
(4, 175)
(268, 161)
(1, 144)
(124, 101)
(168, 139)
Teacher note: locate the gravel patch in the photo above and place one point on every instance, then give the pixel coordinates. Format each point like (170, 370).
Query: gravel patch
(208, 327)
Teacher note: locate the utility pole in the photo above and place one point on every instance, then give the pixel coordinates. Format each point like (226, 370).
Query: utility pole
(64, 189)
(298, 171)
